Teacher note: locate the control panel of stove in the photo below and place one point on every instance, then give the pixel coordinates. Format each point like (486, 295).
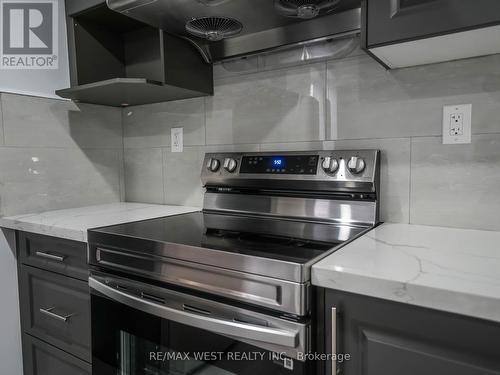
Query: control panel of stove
(279, 164)
(343, 166)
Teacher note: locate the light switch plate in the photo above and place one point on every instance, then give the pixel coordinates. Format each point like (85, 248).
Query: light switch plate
(457, 124)
(177, 139)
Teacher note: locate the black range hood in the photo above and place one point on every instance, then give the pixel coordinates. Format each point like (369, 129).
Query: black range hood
(118, 61)
(131, 52)
(252, 26)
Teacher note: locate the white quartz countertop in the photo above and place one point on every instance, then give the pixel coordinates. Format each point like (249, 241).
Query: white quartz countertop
(73, 223)
(454, 270)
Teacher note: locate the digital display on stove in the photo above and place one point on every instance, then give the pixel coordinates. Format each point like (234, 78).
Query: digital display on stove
(276, 164)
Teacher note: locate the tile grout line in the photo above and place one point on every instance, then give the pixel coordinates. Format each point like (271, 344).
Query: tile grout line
(205, 119)
(122, 170)
(3, 125)
(327, 120)
(163, 167)
(410, 181)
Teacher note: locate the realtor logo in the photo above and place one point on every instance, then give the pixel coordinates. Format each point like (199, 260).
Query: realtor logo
(29, 34)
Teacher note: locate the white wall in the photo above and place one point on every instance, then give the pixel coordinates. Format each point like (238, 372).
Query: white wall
(39, 82)
(10, 328)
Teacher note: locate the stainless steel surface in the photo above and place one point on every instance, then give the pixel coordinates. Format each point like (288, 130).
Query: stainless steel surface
(304, 203)
(50, 312)
(263, 27)
(57, 258)
(334, 26)
(361, 213)
(334, 340)
(197, 273)
(343, 181)
(304, 9)
(273, 334)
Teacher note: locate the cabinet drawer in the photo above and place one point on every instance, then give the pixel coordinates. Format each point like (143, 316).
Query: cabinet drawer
(56, 309)
(54, 254)
(41, 358)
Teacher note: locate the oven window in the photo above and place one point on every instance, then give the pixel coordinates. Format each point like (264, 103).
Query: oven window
(140, 356)
(126, 341)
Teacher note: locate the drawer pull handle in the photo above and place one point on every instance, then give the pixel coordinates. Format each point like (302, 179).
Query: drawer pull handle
(49, 312)
(58, 258)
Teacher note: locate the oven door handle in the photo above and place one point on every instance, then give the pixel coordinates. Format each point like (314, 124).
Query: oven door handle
(234, 329)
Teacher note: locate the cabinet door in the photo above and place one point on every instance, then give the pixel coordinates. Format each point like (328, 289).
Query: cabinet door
(388, 338)
(390, 21)
(43, 359)
(56, 309)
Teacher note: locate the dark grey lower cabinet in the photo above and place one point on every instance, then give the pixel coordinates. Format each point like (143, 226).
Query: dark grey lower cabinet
(54, 305)
(41, 358)
(389, 338)
(56, 309)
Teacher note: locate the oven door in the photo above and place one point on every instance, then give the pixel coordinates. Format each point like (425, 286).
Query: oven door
(141, 329)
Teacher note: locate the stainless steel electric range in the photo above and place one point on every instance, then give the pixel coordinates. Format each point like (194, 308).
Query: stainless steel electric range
(227, 290)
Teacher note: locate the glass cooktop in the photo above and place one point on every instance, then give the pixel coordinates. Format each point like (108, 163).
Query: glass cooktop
(285, 240)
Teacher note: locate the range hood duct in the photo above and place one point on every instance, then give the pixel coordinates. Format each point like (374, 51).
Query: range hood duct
(226, 29)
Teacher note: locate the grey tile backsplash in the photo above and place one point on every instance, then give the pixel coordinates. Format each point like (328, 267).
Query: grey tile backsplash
(456, 186)
(149, 125)
(367, 101)
(56, 154)
(269, 106)
(344, 103)
(40, 122)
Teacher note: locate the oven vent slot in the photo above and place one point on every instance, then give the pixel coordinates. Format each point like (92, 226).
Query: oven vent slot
(152, 298)
(195, 310)
(121, 287)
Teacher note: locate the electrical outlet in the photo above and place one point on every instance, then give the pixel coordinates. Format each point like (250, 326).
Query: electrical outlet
(457, 124)
(177, 141)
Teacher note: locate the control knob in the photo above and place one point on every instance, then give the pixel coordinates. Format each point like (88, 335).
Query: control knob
(330, 165)
(356, 165)
(213, 165)
(230, 164)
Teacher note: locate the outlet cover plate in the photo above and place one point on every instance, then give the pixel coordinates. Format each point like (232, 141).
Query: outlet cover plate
(457, 124)
(177, 139)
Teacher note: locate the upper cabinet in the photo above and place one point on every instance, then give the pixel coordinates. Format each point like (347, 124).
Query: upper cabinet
(118, 61)
(402, 33)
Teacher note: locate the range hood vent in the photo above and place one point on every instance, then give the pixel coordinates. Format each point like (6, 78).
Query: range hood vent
(304, 9)
(213, 28)
(226, 29)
